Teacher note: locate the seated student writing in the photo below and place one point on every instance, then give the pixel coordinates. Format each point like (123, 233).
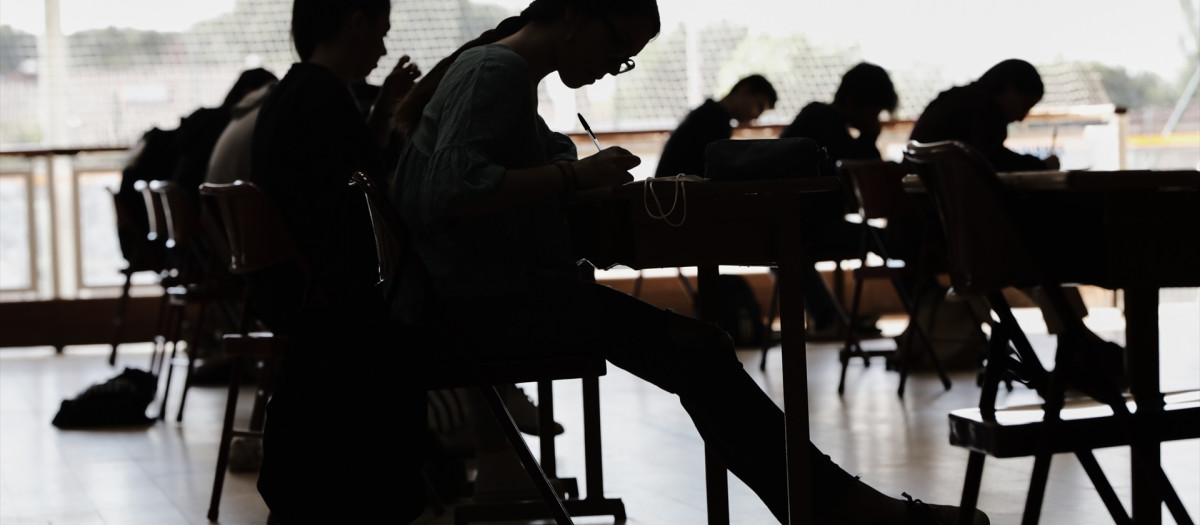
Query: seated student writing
(482, 187)
(711, 121)
(979, 114)
(864, 93)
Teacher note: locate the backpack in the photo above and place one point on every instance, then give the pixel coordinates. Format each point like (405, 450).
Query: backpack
(153, 158)
(120, 401)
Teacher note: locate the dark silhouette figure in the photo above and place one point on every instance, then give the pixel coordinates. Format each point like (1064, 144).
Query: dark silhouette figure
(199, 131)
(979, 113)
(864, 93)
(343, 379)
(711, 121)
(482, 186)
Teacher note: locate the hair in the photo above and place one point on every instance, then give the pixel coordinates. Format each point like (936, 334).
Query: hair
(867, 85)
(1019, 73)
(414, 103)
(316, 20)
(757, 85)
(249, 80)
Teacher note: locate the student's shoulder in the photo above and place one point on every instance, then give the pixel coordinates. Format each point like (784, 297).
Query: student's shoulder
(492, 57)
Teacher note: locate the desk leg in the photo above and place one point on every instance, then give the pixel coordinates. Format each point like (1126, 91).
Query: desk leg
(795, 380)
(1142, 358)
(716, 475)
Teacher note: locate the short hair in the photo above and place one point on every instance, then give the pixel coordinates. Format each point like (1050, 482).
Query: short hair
(317, 20)
(757, 85)
(1021, 74)
(867, 85)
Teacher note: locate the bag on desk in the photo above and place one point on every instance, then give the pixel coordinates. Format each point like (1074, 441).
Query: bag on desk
(757, 159)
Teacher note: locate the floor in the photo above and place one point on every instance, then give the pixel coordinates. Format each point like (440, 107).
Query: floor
(162, 475)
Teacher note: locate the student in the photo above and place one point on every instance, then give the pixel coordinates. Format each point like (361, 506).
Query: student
(200, 131)
(864, 93)
(979, 114)
(324, 449)
(714, 120)
(230, 158)
(482, 186)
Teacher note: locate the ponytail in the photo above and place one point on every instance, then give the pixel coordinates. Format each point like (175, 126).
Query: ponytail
(409, 114)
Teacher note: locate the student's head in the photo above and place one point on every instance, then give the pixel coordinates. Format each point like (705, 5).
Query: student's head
(597, 37)
(1015, 85)
(583, 40)
(360, 25)
(749, 98)
(866, 91)
(249, 80)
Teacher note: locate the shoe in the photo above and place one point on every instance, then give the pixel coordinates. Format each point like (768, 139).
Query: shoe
(920, 513)
(524, 412)
(245, 455)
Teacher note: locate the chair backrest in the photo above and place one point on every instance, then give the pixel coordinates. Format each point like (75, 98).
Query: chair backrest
(154, 209)
(391, 238)
(984, 248)
(139, 252)
(179, 217)
(876, 184)
(254, 227)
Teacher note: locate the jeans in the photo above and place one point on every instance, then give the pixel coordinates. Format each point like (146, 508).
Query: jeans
(691, 358)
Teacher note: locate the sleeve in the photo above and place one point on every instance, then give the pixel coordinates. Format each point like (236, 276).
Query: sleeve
(481, 104)
(560, 146)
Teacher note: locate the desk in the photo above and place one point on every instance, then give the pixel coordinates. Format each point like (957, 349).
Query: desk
(750, 223)
(1132, 230)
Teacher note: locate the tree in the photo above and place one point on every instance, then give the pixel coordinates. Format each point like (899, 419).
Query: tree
(16, 46)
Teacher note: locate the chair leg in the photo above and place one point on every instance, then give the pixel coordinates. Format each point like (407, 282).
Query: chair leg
(851, 341)
(1107, 494)
(173, 337)
(231, 400)
(970, 494)
(119, 319)
(193, 348)
(536, 474)
(769, 328)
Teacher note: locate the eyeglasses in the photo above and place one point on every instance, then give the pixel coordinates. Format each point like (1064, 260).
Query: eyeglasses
(621, 46)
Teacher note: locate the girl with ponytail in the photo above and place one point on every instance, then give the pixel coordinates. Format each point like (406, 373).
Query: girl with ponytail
(483, 185)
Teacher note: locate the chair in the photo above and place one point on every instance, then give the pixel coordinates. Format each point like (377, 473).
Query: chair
(986, 253)
(394, 257)
(140, 254)
(835, 295)
(880, 196)
(198, 281)
(257, 238)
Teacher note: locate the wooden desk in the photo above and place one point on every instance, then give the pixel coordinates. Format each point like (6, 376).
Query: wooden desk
(1132, 230)
(752, 223)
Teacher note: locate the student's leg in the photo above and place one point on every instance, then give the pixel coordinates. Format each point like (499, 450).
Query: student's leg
(682, 355)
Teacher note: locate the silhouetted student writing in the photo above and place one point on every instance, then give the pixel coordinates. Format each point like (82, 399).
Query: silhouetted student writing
(482, 186)
(309, 137)
(711, 121)
(979, 113)
(864, 92)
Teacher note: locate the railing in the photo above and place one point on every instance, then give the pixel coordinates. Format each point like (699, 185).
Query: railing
(57, 226)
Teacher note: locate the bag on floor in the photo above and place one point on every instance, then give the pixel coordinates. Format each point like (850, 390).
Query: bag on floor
(120, 401)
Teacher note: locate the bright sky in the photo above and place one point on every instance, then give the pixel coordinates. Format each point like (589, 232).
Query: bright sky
(1142, 35)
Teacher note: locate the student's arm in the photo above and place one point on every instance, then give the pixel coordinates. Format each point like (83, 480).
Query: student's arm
(525, 185)
(382, 120)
